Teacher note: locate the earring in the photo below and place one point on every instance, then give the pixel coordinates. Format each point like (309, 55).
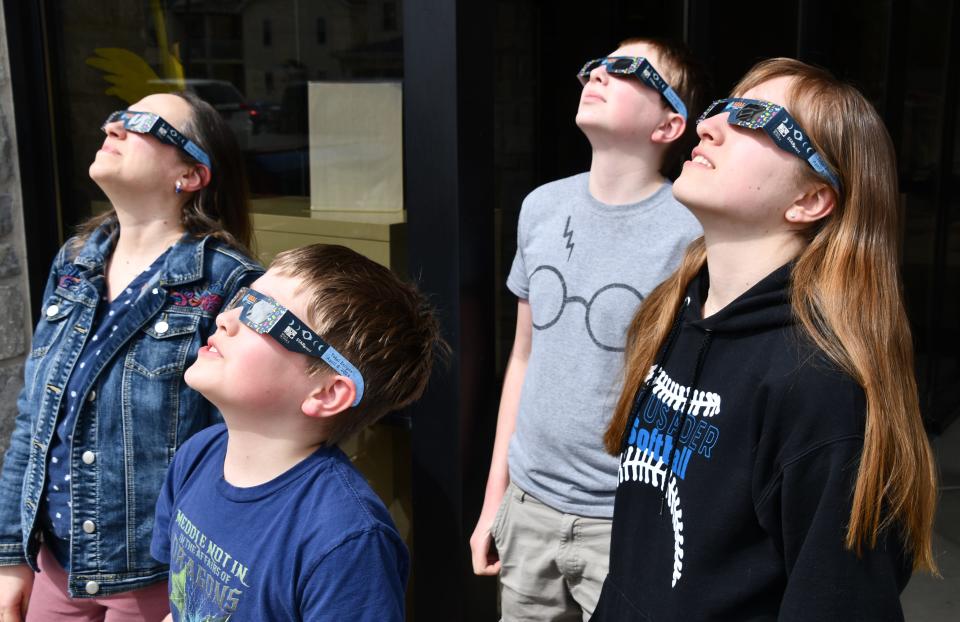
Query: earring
(178, 187)
(791, 215)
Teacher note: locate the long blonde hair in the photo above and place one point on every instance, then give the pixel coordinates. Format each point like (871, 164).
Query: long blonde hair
(846, 295)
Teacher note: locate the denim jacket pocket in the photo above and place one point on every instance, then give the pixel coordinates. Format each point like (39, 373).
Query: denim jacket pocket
(54, 312)
(164, 344)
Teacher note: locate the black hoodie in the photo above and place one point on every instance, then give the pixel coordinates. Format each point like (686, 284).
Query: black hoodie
(747, 520)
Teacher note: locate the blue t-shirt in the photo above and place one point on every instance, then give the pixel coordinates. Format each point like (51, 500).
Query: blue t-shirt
(314, 543)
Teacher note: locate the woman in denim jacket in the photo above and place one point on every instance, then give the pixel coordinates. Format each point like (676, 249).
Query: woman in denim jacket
(128, 302)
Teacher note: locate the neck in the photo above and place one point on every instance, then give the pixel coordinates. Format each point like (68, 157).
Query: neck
(142, 238)
(736, 263)
(148, 223)
(145, 239)
(620, 176)
(256, 456)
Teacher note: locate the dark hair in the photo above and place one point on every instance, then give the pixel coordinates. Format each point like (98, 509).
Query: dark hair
(220, 209)
(381, 324)
(688, 77)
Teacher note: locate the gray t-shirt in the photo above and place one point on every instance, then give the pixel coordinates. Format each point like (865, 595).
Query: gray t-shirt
(585, 267)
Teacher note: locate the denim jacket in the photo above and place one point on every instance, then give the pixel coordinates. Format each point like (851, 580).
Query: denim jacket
(136, 410)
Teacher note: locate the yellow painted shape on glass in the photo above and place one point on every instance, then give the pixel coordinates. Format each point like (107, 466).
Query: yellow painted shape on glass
(132, 78)
(172, 69)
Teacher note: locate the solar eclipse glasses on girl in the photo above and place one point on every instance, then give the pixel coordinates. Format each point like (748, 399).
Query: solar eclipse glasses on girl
(755, 114)
(153, 124)
(635, 66)
(266, 316)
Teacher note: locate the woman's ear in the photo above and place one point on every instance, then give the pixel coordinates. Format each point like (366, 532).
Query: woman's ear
(196, 178)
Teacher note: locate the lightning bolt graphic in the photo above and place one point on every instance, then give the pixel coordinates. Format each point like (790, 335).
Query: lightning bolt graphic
(568, 233)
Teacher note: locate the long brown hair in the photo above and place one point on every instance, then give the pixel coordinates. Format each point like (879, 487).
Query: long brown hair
(852, 255)
(220, 209)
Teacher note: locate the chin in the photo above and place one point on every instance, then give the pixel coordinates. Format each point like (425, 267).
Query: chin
(94, 172)
(100, 173)
(193, 378)
(684, 189)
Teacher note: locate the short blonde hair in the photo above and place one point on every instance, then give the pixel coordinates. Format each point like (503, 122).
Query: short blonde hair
(381, 324)
(688, 78)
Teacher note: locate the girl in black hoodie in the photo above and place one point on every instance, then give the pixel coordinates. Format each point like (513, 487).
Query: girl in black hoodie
(773, 463)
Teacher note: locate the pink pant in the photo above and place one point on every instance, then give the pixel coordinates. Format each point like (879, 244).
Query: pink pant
(49, 601)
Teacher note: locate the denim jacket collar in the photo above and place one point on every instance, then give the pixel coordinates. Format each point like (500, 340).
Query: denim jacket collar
(184, 263)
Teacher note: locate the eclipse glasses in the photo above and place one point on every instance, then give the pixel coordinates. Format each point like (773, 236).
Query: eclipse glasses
(641, 68)
(153, 124)
(756, 114)
(266, 316)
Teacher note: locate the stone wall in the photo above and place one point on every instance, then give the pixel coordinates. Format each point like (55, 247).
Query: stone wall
(15, 320)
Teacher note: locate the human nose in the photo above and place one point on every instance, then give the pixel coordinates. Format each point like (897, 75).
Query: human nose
(228, 321)
(599, 74)
(115, 129)
(711, 129)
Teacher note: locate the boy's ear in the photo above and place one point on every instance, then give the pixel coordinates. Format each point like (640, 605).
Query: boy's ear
(670, 129)
(332, 395)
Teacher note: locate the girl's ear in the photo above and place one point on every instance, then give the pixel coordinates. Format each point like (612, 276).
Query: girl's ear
(812, 206)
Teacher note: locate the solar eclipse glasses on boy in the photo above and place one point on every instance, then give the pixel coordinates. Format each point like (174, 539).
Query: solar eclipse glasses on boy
(755, 114)
(266, 316)
(153, 124)
(635, 66)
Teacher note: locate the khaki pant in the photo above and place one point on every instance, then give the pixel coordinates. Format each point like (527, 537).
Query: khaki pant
(552, 564)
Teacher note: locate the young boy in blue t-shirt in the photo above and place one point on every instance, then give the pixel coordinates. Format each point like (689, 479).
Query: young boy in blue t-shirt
(265, 518)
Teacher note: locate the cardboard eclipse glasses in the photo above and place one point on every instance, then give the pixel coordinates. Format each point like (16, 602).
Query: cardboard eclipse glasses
(266, 316)
(153, 124)
(755, 114)
(635, 66)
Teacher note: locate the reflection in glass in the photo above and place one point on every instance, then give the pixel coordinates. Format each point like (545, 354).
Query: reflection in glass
(251, 59)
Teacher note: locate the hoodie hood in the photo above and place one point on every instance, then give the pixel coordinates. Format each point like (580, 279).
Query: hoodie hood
(764, 306)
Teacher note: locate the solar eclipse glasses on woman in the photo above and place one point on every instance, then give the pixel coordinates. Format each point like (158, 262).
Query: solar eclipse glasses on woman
(266, 316)
(641, 68)
(755, 114)
(153, 124)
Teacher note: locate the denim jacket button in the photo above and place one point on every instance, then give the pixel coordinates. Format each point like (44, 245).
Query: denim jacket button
(88, 457)
(92, 587)
(92, 396)
(161, 327)
(52, 310)
(89, 526)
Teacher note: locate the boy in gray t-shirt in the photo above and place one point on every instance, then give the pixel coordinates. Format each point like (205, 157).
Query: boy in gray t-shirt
(590, 248)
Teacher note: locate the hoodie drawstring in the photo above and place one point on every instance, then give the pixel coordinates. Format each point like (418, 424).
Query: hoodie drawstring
(685, 412)
(643, 391)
